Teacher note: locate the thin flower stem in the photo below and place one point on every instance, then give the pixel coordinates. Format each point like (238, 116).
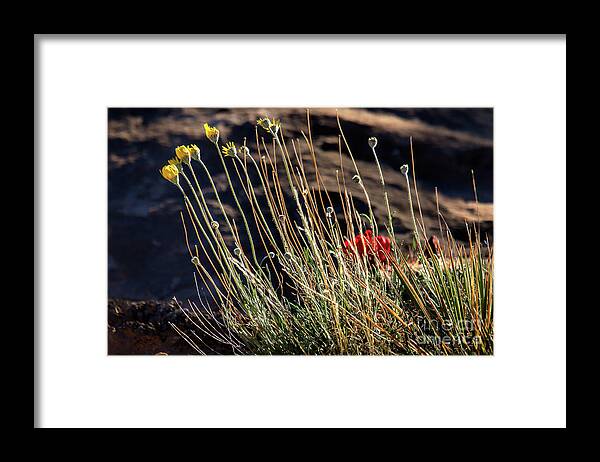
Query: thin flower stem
(414, 175)
(385, 195)
(412, 214)
(366, 194)
(250, 240)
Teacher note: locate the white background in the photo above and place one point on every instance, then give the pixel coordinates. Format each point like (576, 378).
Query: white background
(523, 384)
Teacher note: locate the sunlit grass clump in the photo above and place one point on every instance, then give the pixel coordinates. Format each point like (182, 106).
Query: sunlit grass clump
(308, 278)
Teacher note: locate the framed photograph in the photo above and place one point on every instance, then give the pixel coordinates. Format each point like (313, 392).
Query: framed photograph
(358, 219)
(303, 231)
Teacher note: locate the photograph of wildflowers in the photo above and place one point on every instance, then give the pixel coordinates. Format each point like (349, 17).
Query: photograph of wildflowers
(300, 231)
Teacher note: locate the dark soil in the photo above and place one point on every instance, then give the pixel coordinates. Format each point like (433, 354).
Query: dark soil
(144, 328)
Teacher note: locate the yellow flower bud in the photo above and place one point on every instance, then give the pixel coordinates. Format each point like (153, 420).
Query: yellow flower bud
(264, 123)
(175, 162)
(212, 133)
(229, 150)
(195, 150)
(183, 154)
(270, 125)
(275, 124)
(170, 172)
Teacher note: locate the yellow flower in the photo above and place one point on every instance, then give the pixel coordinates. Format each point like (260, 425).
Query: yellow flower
(176, 162)
(212, 133)
(195, 150)
(184, 154)
(264, 123)
(229, 150)
(270, 125)
(170, 172)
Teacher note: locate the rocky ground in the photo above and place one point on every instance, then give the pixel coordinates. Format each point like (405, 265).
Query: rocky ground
(144, 328)
(148, 261)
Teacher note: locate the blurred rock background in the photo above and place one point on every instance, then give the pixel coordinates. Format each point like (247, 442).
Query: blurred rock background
(147, 256)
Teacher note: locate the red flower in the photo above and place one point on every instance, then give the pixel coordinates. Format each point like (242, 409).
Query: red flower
(372, 246)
